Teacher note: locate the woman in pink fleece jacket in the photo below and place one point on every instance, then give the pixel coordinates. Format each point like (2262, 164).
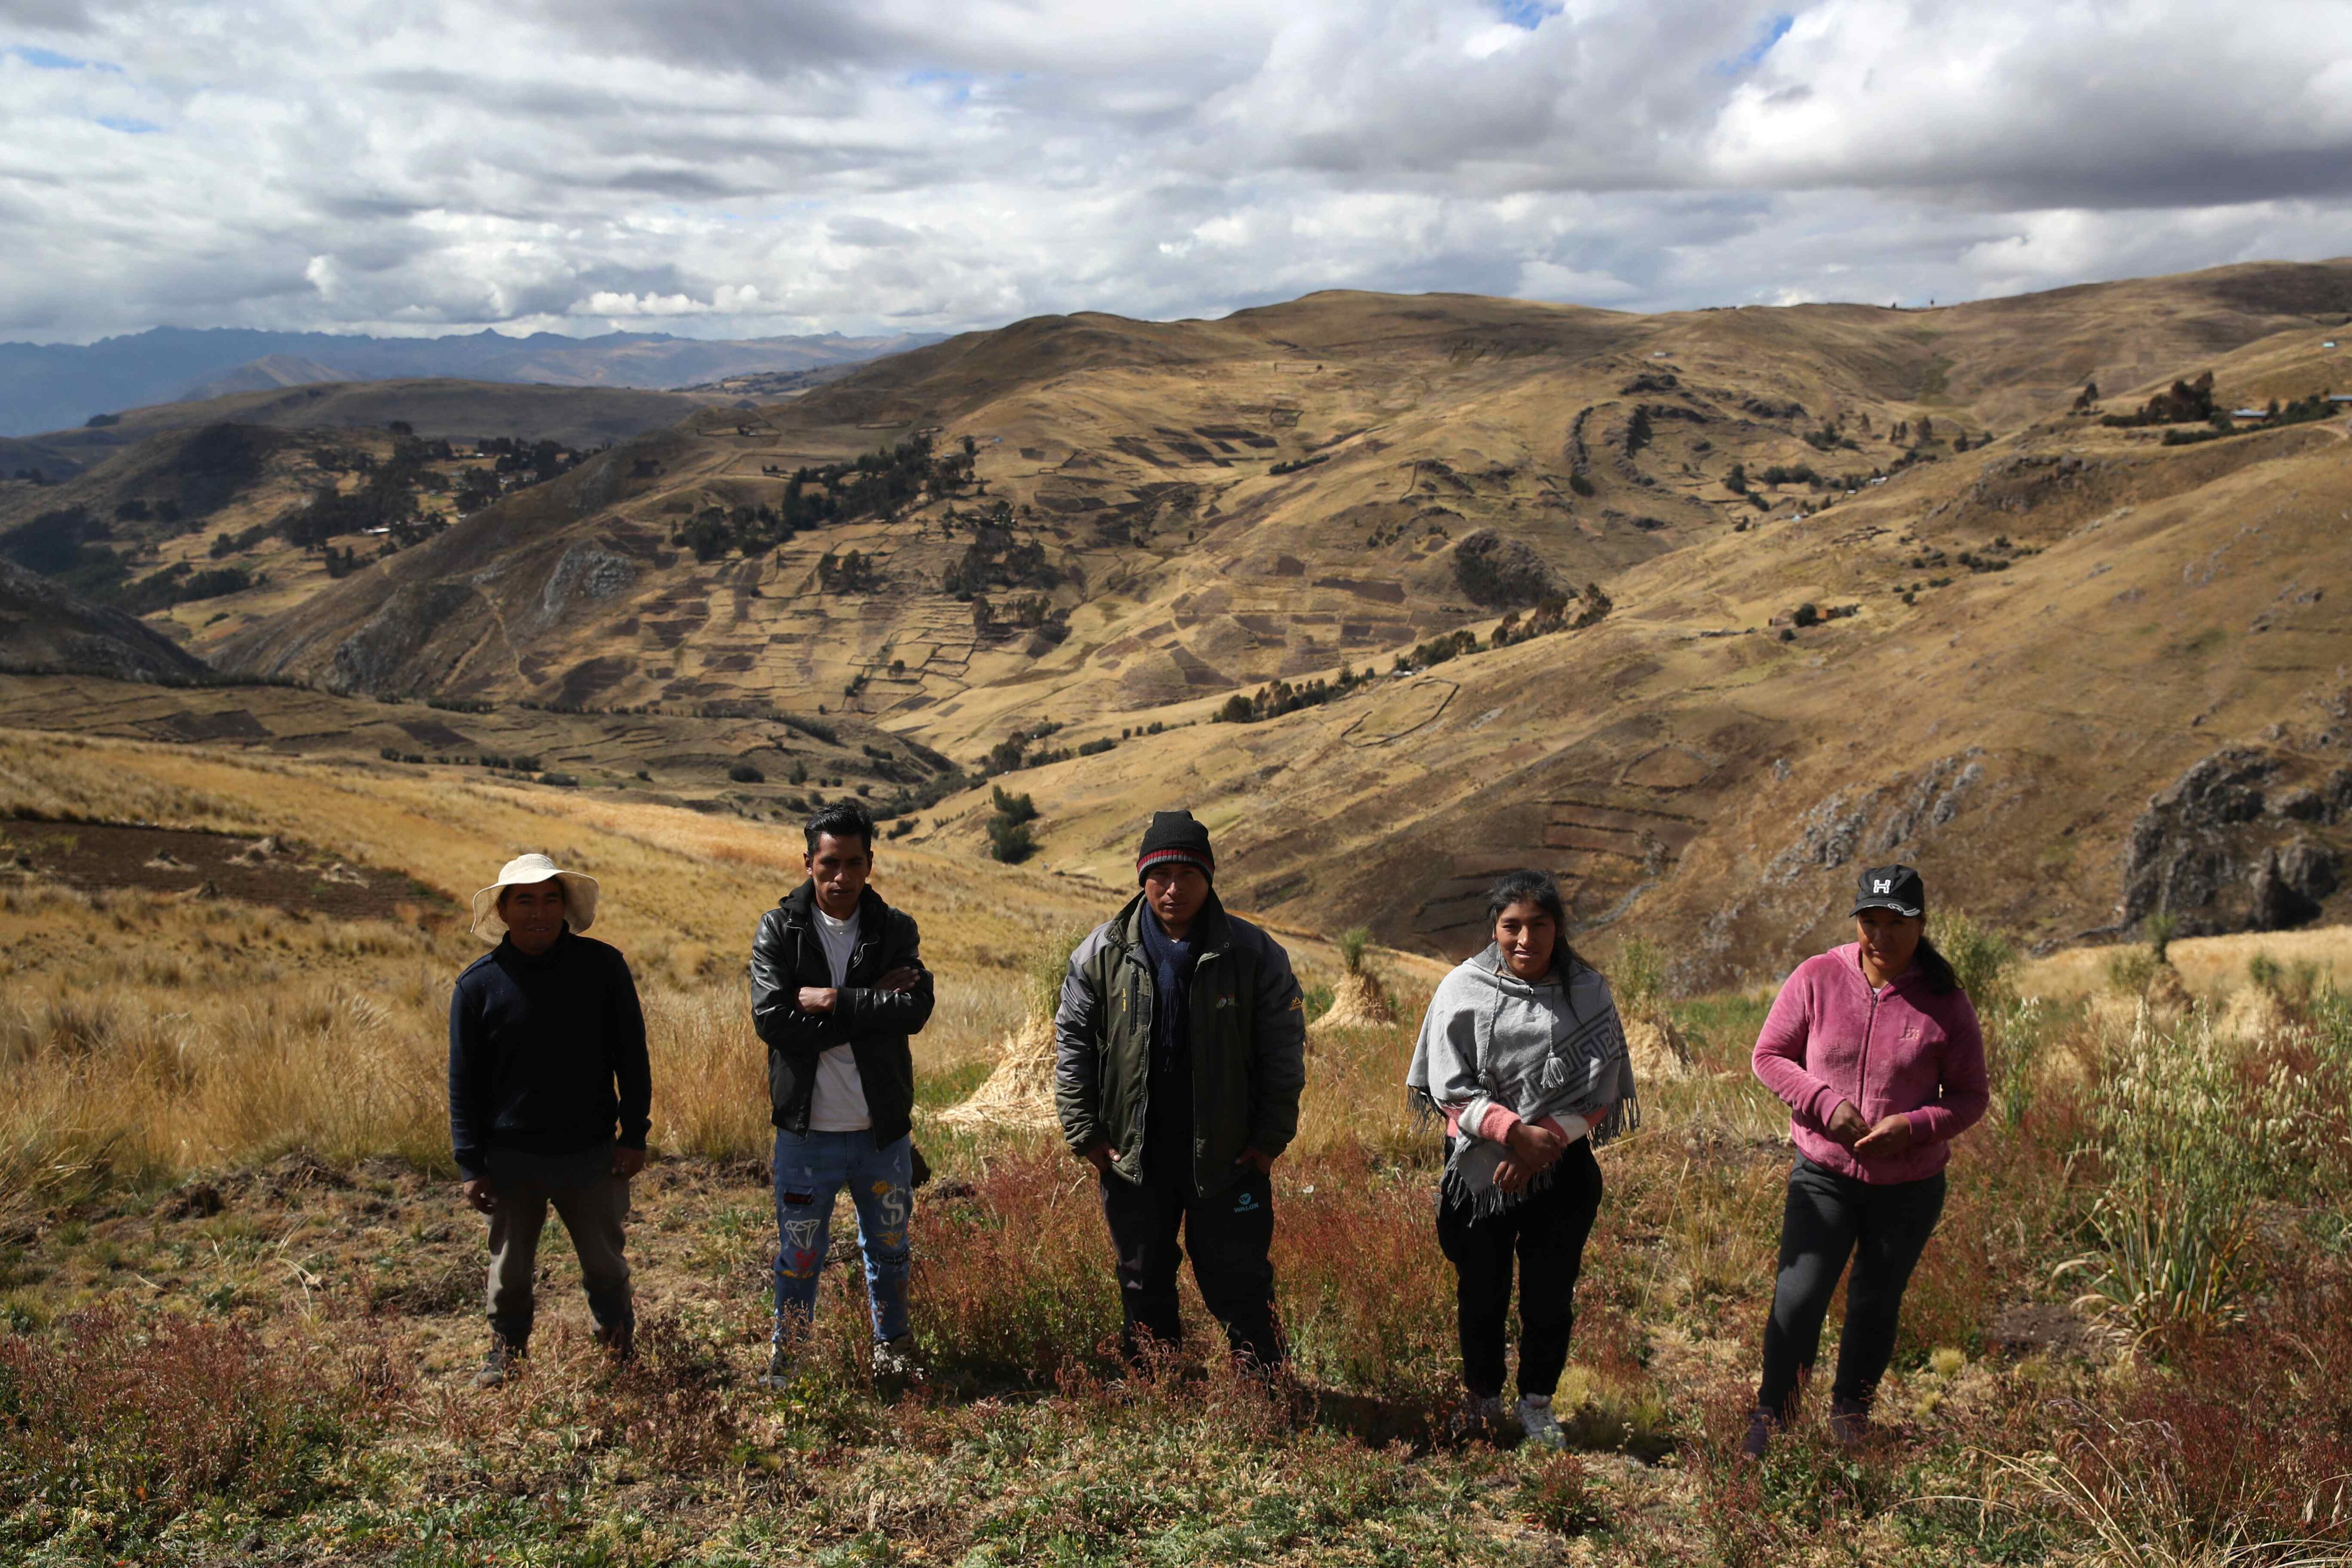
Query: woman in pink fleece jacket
(1875, 1048)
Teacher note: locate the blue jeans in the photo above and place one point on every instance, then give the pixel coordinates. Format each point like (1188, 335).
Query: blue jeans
(809, 1172)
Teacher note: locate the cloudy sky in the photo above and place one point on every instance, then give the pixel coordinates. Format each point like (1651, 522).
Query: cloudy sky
(747, 167)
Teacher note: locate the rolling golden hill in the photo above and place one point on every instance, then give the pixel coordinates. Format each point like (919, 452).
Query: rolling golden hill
(1875, 588)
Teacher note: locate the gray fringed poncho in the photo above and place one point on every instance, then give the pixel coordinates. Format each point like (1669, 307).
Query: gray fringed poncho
(1539, 1049)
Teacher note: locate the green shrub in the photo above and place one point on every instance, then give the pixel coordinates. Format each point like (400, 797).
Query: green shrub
(2133, 970)
(1979, 956)
(1638, 978)
(745, 772)
(2190, 1133)
(1351, 944)
(1010, 842)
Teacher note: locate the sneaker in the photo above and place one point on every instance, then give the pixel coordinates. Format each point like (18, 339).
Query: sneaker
(1537, 1421)
(1759, 1435)
(1478, 1415)
(895, 1361)
(1849, 1422)
(780, 1367)
(502, 1365)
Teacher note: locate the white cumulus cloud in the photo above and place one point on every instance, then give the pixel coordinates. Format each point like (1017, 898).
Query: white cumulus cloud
(741, 167)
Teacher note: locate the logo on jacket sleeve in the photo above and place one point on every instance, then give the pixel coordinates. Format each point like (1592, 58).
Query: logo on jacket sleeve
(1246, 1204)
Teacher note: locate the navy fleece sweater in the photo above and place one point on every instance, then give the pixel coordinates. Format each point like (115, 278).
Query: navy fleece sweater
(547, 1054)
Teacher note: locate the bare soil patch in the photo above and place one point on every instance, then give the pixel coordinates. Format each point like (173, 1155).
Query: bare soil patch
(279, 872)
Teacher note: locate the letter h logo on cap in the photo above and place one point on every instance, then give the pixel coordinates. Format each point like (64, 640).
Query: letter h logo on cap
(1896, 887)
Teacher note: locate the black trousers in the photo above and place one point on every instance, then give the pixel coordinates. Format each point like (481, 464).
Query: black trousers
(1544, 1232)
(1884, 1228)
(1230, 1233)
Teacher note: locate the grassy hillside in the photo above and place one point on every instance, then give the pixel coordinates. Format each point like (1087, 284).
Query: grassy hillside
(208, 527)
(753, 764)
(1838, 557)
(436, 406)
(1813, 586)
(240, 1297)
(1994, 684)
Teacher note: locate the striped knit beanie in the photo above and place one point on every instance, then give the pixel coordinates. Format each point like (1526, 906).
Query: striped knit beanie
(1174, 837)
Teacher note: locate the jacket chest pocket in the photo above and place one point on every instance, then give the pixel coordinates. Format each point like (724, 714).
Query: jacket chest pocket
(1129, 1000)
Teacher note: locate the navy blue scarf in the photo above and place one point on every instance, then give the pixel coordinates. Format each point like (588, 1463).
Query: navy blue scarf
(1171, 983)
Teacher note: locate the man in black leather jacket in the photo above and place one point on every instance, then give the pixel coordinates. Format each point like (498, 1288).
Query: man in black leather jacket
(837, 986)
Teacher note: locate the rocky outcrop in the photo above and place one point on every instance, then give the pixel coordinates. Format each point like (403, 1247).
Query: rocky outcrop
(2290, 884)
(378, 658)
(1905, 810)
(586, 573)
(2228, 845)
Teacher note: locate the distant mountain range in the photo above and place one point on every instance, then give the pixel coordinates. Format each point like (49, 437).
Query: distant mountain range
(52, 386)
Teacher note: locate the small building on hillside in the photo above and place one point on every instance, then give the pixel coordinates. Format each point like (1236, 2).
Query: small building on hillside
(2250, 414)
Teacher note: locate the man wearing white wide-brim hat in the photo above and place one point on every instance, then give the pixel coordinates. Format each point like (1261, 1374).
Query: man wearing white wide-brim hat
(550, 1097)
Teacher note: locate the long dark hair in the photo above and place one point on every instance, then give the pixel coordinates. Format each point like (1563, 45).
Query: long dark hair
(1531, 886)
(1942, 979)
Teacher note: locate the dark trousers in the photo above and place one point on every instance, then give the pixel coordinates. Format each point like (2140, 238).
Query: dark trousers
(592, 1202)
(1884, 1228)
(1230, 1233)
(1544, 1232)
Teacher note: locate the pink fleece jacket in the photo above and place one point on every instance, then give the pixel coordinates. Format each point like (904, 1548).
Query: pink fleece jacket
(1901, 1050)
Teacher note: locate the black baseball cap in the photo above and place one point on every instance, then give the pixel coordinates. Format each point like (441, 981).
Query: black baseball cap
(1896, 887)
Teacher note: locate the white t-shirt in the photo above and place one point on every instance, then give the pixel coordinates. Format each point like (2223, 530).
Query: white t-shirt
(838, 1104)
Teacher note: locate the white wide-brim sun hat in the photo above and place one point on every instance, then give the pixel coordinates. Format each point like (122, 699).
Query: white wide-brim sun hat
(579, 895)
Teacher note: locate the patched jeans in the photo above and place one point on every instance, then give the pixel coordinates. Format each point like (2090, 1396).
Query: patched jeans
(809, 1172)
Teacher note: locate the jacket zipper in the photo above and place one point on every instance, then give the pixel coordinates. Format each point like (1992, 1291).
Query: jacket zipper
(1143, 986)
(1869, 1022)
(1193, 1063)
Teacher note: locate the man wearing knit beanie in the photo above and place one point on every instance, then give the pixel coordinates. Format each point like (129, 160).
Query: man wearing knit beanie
(1180, 1054)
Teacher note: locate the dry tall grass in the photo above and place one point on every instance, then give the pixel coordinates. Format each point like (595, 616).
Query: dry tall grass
(149, 1034)
(144, 1034)
(2209, 965)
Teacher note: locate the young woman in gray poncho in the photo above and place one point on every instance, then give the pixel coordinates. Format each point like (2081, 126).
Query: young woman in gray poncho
(1522, 1054)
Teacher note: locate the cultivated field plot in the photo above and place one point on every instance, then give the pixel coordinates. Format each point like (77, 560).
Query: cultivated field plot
(240, 1302)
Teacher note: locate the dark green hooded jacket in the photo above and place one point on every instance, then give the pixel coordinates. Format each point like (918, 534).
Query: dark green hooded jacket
(1249, 1034)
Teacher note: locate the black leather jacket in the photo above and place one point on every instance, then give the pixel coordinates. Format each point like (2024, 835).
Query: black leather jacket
(787, 954)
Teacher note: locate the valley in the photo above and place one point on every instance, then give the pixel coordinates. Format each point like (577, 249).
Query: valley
(1817, 586)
